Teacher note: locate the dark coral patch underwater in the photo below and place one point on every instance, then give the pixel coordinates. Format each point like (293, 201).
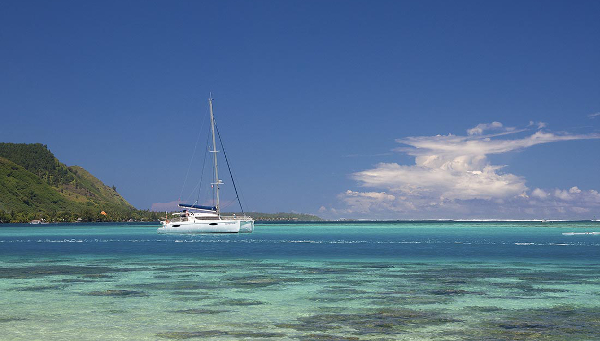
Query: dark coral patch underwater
(238, 302)
(254, 282)
(221, 333)
(37, 271)
(384, 322)
(200, 311)
(184, 285)
(118, 293)
(11, 319)
(552, 324)
(41, 287)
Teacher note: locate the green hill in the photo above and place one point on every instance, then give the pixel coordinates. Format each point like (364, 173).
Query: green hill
(34, 184)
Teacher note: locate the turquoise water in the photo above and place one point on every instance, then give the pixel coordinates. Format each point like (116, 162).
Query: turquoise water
(363, 281)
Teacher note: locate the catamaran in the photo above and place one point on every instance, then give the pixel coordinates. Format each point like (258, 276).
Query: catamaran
(207, 219)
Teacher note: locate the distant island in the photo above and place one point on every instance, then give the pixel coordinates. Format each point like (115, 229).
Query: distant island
(280, 217)
(35, 185)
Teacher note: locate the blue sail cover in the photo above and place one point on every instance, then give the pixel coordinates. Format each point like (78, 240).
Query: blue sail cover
(200, 207)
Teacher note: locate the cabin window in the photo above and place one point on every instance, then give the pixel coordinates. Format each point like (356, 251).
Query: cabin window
(213, 224)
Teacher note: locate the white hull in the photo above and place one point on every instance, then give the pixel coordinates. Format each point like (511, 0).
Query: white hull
(208, 226)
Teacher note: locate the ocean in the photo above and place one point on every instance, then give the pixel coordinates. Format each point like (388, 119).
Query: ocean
(303, 281)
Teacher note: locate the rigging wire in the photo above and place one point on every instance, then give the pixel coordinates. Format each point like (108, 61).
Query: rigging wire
(229, 168)
(203, 166)
(228, 203)
(192, 159)
(199, 184)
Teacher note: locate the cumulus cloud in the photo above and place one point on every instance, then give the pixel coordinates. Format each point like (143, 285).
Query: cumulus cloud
(562, 195)
(565, 201)
(539, 193)
(453, 173)
(433, 177)
(363, 202)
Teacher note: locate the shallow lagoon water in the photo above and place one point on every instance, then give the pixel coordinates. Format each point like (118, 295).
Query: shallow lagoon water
(362, 281)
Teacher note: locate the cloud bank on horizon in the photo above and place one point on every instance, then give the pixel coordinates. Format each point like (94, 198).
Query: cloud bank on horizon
(453, 178)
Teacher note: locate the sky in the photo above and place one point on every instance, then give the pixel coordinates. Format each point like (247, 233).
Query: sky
(344, 109)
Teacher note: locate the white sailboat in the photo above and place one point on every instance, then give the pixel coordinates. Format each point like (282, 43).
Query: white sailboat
(207, 219)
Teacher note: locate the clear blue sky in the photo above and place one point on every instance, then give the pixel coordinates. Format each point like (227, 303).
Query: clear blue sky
(312, 95)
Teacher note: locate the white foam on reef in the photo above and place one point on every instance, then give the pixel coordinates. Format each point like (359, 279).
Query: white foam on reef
(580, 233)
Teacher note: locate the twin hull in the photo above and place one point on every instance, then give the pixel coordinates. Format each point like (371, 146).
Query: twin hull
(208, 226)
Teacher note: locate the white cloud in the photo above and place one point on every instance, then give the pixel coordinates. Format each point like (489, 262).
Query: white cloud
(562, 194)
(453, 175)
(480, 128)
(539, 125)
(594, 115)
(473, 148)
(454, 179)
(539, 193)
(363, 202)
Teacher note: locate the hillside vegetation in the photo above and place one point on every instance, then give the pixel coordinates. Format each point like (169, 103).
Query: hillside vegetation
(34, 184)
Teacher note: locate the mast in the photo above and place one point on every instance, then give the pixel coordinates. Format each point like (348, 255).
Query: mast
(214, 151)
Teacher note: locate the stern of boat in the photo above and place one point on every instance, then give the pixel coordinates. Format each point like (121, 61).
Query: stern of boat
(246, 226)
